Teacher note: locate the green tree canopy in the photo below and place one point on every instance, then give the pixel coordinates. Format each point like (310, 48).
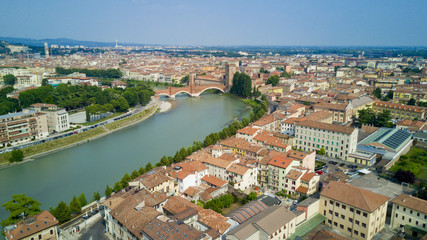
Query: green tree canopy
(75, 205)
(411, 102)
(184, 80)
(108, 191)
(96, 196)
(62, 212)
(17, 156)
(242, 85)
(273, 80)
(377, 93)
(82, 200)
(9, 79)
(18, 206)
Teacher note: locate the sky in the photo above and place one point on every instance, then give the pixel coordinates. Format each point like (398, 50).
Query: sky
(221, 22)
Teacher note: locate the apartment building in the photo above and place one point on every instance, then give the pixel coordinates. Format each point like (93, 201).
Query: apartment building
(354, 211)
(338, 141)
(410, 213)
(399, 111)
(300, 181)
(22, 127)
(278, 168)
(57, 118)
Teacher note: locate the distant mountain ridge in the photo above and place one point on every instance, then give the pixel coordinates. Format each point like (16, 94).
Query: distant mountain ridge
(61, 41)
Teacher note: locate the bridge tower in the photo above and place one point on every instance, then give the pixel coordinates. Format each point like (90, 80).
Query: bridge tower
(229, 74)
(191, 82)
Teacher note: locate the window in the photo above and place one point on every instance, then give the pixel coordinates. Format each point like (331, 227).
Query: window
(341, 226)
(326, 203)
(357, 222)
(324, 212)
(364, 225)
(397, 215)
(365, 214)
(330, 211)
(410, 212)
(337, 204)
(342, 216)
(362, 235)
(40, 236)
(356, 232)
(349, 229)
(357, 212)
(350, 220)
(51, 232)
(403, 217)
(329, 221)
(336, 214)
(335, 224)
(343, 207)
(331, 202)
(351, 210)
(410, 220)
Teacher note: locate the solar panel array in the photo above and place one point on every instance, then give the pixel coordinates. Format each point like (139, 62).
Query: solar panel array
(396, 139)
(382, 135)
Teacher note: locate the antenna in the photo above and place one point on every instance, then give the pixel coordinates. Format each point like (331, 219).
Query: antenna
(117, 44)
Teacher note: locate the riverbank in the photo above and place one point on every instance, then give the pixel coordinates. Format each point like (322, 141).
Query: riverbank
(43, 149)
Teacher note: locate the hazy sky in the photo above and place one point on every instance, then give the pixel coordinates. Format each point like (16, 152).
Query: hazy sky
(221, 22)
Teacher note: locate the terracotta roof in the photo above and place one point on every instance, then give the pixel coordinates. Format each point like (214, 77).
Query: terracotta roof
(217, 182)
(240, 144)
(327, 126)
(282, 162)
(216, 162)
(134, 220)
(191, 166)
(294, 175)
(302, 189)
(266, 119)
(192, 191)
(397, 106)
(411, 202)
(248, 130)
(157, 229)
(333, 106)
(238, 169)
(296, 154)
(213, 220)
(177, 204)
(354, 196)
(32, 225)
(308, 176)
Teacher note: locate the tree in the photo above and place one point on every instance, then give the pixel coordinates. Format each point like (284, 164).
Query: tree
(383, 119)
(141, 170)
(96, 196)
(62, 212)
(108, 191)
(75, 206)
(17, 156)
(405, 176)
(125, 180)
(366, 116)
(322, 151)
(242, 85)
(184, 80)
(117, 186)
(45, 82)
(82, 200)
(134, 174)
(377, 93)
(148, 167)
(388, 96)
(9, 79)
(273, 80)
(411, 102)
(19, 206)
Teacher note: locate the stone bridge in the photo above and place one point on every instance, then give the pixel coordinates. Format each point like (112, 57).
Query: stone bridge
(192, 90)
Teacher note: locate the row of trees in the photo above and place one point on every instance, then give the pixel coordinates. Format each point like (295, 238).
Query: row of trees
(106, 73)
(64, 212)
(367, 116)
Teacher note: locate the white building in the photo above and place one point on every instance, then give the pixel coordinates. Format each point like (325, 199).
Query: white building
(410, 213)
(338, 141)
(57, 118)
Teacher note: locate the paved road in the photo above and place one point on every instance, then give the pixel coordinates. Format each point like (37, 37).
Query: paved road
(95, 232)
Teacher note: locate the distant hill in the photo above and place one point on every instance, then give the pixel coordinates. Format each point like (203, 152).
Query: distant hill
(59, 41)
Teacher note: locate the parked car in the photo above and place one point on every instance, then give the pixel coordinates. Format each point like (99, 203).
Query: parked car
(342, 164)
(319, 172)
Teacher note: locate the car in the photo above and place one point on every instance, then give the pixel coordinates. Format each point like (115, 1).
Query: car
(342, 164)
(319, 172)
(295, 202)
(331, 162)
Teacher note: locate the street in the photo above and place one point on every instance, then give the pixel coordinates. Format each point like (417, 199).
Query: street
(96, 231)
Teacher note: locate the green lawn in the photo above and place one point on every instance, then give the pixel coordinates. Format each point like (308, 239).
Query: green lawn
(422, 173)
(231, 208)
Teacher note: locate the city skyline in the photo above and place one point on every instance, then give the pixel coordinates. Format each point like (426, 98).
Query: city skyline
(221, 23)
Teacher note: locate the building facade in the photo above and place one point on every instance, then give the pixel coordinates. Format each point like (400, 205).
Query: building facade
(410, 213)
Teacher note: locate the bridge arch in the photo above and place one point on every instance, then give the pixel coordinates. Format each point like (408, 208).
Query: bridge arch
(189, 94)
(217, 88)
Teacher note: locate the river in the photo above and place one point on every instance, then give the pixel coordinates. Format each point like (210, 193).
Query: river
(90, 167)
